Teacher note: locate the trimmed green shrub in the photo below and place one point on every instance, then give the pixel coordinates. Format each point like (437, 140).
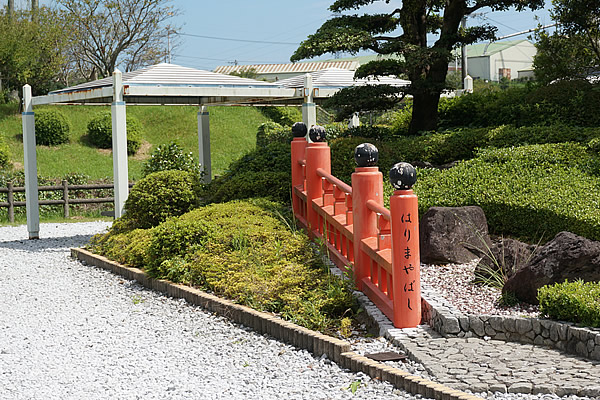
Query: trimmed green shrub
(52, 127)
(170, 157)
(270, 132)
(264, 172)
(528, 191)
(128, 248)
(99, 130)
(161, 195)
(577, 302)
(571, 102)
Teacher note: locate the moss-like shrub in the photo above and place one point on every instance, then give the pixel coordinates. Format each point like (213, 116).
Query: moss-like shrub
(161, 195)
(52, 127)
(577, 302)
(272, 132)
(264, 172)
(99, 130)
(170, 157)
(244, 250)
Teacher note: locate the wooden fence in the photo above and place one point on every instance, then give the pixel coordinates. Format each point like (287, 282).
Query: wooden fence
(379, 246)
(65, 201)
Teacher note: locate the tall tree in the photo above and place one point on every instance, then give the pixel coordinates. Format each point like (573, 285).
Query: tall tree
(31, 52)
(110, 33)
(573, 49)
(403, 32)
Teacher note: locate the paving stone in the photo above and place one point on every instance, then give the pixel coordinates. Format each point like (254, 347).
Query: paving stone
(498, 387)
(520, 387)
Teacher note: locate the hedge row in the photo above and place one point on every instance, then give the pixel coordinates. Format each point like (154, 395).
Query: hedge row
(459, 144)
(575, 103)
(532, 191)
(577, 302)
(243, 250)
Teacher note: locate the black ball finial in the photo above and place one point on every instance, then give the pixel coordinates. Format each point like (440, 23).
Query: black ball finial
(403, 176)
(366, 155)
(317, 133)
(299, 129)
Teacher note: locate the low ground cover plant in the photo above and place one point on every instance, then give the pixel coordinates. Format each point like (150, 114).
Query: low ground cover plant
(577, 302)
(244, 250)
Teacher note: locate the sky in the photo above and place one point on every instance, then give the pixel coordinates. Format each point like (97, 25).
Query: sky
(269, 31)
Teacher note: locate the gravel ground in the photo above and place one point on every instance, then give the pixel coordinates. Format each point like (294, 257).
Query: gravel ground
(69, 331)
(464, 295)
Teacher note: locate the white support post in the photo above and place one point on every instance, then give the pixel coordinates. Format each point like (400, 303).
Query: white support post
(30, 161)
(119, 144)
(204, 143)
(309, 109)
(468, 84)
(354, 121)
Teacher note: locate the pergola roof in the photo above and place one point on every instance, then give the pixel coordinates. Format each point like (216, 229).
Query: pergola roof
(336, 78)
(172, 84)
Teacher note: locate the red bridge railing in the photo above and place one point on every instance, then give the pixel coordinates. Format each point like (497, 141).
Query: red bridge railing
(379, 246)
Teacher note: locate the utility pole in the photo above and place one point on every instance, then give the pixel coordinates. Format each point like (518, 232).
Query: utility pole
(11, 8)
(34, 9)
(463, 53)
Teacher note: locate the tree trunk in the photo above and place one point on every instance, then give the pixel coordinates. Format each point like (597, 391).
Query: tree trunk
(425, 112)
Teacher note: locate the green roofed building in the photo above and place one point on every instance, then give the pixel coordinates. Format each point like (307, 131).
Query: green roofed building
(497, 60)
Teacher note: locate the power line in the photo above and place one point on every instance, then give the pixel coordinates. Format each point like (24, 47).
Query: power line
(236, 40)
(227, 60)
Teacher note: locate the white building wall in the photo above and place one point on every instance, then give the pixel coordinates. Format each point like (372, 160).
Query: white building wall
(515, 58)
(478, 67)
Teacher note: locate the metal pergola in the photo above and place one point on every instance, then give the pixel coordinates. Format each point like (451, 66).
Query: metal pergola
(168, 84)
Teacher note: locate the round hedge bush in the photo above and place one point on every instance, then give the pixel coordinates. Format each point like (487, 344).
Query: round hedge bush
(52, 127)
(99, 130)
(161, 195)
(170, 156)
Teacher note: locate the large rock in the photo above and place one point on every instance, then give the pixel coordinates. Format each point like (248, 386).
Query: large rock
(453, 234)
(504, 258)
(567, 256)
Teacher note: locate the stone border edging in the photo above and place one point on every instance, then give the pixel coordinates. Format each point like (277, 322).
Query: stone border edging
(565, 336)
(315, 342)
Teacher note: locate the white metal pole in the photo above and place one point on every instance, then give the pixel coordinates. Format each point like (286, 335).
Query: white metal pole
(119, 144)
(204, 143)
(30, 161)
(309, 110)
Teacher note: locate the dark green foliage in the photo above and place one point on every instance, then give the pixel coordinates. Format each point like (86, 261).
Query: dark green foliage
(170, 157)
(528, 191)
(4, 154)
(51, 127)
(573, 103)
(99, 130)
(577, 302)
(264, 172)
(270, 132)
(243, 250)
(161, 195)
(285, 116)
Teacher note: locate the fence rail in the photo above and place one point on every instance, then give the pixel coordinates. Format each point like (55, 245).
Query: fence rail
(66, 201)
(380, 245)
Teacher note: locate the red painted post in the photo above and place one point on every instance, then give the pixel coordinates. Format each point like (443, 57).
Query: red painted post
(298, 154)
(404, 211)
(367, 184)
(318, 155)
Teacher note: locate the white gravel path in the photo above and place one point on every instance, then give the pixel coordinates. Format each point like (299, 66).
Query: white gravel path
(69, 331)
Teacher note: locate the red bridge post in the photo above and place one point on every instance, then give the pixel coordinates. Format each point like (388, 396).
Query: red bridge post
(318, 155)
(367, 184)
(404, 212)
(298, 154)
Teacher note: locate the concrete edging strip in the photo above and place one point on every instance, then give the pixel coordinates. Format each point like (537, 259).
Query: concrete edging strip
(315, 342)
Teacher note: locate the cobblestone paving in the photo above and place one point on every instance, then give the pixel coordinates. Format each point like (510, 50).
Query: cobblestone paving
(483, 365)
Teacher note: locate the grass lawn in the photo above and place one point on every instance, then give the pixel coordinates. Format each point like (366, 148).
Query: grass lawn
(233, 131)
